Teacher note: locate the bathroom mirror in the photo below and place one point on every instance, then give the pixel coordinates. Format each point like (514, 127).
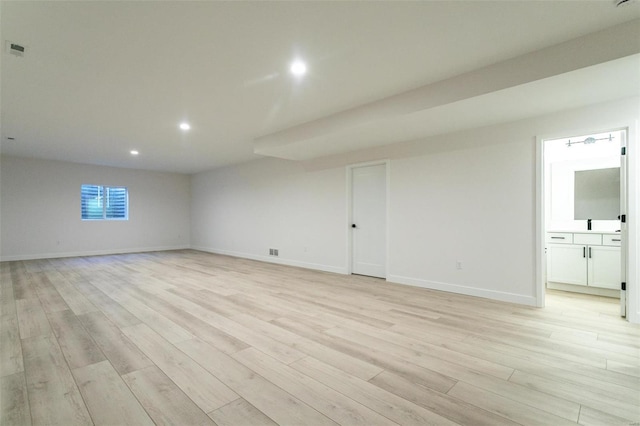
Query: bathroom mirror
(597, 194)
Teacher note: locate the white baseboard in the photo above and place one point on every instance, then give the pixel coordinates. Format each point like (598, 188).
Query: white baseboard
(461, 289)
(277, 260)
(416, 282)
(89, 253)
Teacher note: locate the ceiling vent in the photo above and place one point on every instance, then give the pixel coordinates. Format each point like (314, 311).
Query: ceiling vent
(15, 49)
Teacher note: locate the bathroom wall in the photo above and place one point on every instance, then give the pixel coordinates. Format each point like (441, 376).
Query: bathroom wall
(561, 163)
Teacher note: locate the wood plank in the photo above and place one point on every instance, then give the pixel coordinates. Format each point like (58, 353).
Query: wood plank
(526, 361)
(54, 397)
(619, 340)
(32, 321)
(23, 287)
(379, 344)
(347, 363)
(169, 305)
(240, 412)
(14, 402)
(165, 402)
(311, 323)
(428, 356)
(313, 303)
(76, 301)
(7, 295)
(266, 344)
(332, 357)
(10, 347)
(159, 323)
(223, 305)
(423, 376)
(591, 417)
(78, 347)
(575, 336)
(587, 322)
(108, 398)
(391, 362)
(49, 297)
(386, 403)
(123, 354)
(111, 309)
(527, 395)
(302, 328)
(505, 407)
(282, 407)
(248, 303)
(457, 410)
(599, 400)
(203, 388)
(338, 407)
(626, 369)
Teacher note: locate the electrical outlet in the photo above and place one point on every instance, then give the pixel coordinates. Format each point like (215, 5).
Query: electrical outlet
(273, 252)
(458, 264)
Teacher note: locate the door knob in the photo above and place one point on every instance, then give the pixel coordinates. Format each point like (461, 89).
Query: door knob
(353, 225)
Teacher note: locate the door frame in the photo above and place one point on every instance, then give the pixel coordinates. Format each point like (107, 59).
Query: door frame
(632, 181)
(349, 216)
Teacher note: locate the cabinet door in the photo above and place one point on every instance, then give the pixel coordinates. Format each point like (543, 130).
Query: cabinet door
(604, 267)
(566, 263)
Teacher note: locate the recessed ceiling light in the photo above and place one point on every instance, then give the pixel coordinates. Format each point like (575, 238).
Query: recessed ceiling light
(298, 68)
(134, 152)
(185, 126)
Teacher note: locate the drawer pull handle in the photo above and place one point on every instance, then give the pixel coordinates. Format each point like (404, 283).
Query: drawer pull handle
(557, 238)
(615, 239)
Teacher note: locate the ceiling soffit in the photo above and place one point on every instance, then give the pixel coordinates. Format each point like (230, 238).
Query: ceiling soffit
(306, 141)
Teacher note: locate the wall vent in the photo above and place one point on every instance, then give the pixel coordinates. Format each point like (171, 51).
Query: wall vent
(15, 49)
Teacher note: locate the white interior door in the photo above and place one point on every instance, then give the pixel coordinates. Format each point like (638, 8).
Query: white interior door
(369, 220)
(624, 231)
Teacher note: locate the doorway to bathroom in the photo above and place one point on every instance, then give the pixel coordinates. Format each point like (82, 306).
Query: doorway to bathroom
(584, 205)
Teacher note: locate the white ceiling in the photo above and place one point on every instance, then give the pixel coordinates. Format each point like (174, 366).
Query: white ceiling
(617, 79)
(101, 78)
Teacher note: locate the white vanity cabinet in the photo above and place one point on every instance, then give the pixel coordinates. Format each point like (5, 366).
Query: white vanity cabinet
(589, 259)
(566, 264)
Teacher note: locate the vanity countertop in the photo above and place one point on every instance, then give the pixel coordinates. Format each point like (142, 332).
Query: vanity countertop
(585, 231)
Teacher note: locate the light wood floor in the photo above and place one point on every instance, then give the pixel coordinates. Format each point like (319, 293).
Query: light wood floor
(191, 338)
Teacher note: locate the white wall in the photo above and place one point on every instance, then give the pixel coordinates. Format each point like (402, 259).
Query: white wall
(465, 206)
(40, 210)
(468, 197)
(247, 209)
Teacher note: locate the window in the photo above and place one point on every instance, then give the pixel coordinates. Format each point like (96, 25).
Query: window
(104, 202)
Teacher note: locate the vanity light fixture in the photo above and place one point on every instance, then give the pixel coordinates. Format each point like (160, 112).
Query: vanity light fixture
(590, 140)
